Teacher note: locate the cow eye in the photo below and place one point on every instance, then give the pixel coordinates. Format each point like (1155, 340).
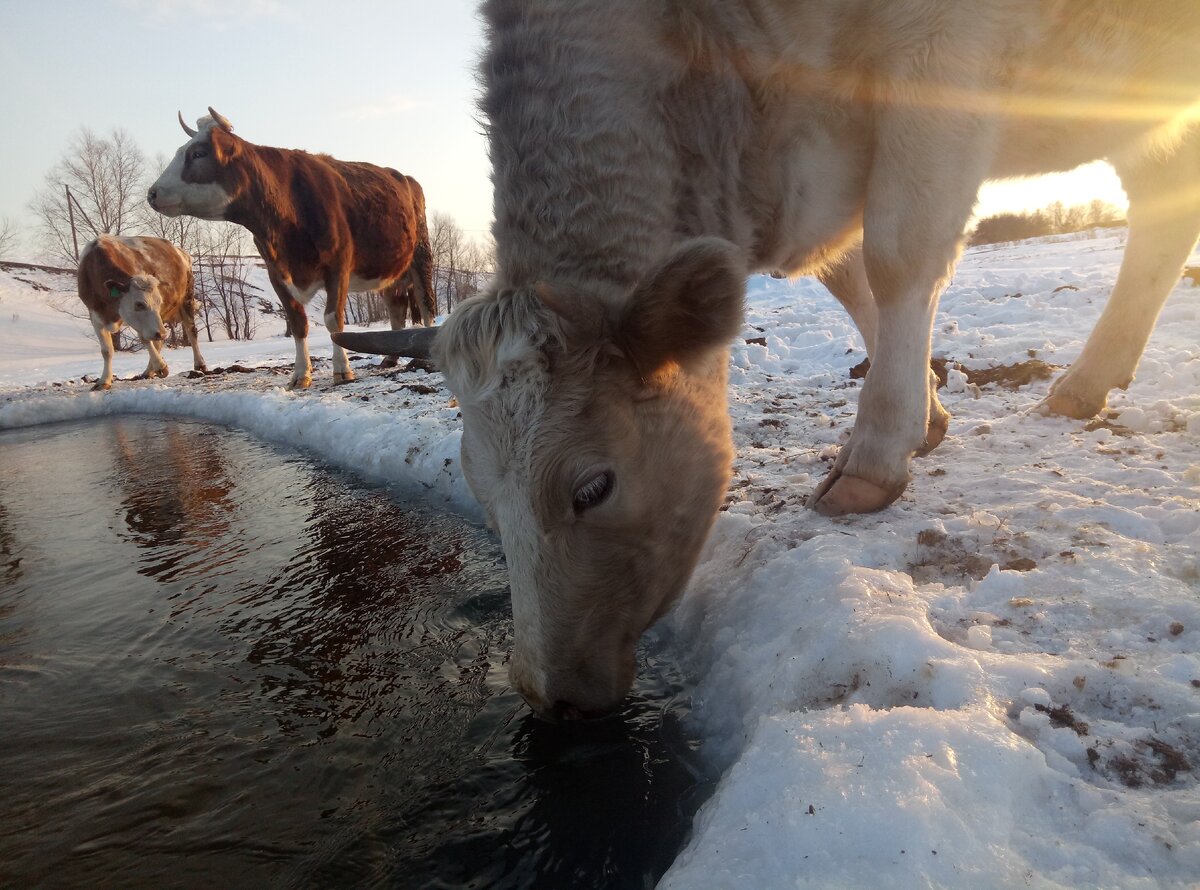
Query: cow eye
(139, 306)
(593, 492)
(200, 151)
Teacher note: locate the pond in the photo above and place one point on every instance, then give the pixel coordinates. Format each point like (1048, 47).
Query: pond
(223, 664)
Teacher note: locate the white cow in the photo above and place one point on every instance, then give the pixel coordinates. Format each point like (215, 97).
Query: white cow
(647, 153)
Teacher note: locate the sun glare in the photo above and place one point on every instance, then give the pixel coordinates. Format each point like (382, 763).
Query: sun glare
(1080, 186)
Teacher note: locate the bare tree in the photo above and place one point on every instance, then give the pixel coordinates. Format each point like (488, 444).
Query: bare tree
(99, 182)
(222, 273)
(9, 236)
(460, 265)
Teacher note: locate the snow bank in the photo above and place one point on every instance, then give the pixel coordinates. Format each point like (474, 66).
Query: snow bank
(992, 683)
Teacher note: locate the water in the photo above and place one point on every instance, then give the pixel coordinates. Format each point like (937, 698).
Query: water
(224, 665)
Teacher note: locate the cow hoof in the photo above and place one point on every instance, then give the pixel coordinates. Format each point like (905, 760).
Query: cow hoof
(390, 361)
(164, 371)
(300, 383)
(1066, 404)
(203, 369)
(841, 495)
(343, 377)
(934, 434)
(102, 387)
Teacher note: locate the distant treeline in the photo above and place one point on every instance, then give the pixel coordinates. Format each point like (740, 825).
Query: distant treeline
(1056, 219)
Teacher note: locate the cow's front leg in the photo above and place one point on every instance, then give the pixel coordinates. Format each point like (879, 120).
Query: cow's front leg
(298, 321)
(106, 353)
(336, 287)
(847, 281)
(926, 172)
(156, 365)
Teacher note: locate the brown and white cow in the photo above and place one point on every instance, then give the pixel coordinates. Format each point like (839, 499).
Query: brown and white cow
(141, 282)
(646, 153)
(318, 223)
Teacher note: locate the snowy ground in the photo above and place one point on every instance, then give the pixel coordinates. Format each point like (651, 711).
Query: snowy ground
(994, 683)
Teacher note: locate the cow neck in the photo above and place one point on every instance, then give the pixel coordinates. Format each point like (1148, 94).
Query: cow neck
(264, 206)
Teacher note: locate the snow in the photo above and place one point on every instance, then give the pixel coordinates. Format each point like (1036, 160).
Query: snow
(993, 683)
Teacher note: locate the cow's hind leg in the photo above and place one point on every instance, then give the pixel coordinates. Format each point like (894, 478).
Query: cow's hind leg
(926, 171)
(1164, 220)
(397, 299)
(847, 280)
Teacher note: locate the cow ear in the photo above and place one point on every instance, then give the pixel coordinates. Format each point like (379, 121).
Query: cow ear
(690, 305)
(224, 144)
(115, 288)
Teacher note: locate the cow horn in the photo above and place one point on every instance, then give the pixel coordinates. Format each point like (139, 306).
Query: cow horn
(222, 121)
(186, 128)
(409, 342)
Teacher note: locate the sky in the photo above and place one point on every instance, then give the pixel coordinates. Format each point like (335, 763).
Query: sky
(387, 82)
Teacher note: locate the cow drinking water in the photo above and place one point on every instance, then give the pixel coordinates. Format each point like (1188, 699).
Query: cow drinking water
(647, 153)
(317, 222)
(141, 282)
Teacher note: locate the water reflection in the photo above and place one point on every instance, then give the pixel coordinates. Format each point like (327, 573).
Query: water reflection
(220, 664)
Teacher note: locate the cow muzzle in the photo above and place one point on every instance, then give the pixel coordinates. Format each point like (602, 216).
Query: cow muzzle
(592, 690)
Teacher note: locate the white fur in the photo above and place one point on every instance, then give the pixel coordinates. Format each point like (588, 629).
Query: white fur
(794, 131)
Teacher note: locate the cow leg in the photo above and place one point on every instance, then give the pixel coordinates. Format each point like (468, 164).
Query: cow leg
(297, 322)
(156, 366)
(847, 280)
(396, 298)
(1164, 220)
(337, 284)
(926, 172)
(106, 352)
(188, 320)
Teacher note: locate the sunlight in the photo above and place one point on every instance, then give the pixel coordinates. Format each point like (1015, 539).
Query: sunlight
(1080, 186)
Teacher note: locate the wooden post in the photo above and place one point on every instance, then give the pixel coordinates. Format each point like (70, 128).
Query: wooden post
(71, 211)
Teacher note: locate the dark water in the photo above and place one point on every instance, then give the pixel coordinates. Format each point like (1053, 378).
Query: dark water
(224, 665)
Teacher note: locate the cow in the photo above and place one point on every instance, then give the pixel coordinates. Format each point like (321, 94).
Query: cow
(317, 223)
(141, 282)
(647, 154)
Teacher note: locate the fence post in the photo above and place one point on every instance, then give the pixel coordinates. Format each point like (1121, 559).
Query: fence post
(71, 212)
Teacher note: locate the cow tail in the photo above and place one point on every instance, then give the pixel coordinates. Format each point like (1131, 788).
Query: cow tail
(422, 264)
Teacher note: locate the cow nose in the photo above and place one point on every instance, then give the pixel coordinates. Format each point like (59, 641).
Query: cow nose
(151, 196)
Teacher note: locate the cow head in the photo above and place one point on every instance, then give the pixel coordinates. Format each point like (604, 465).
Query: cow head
(203, 178)
(139, 304)
(596, 437)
